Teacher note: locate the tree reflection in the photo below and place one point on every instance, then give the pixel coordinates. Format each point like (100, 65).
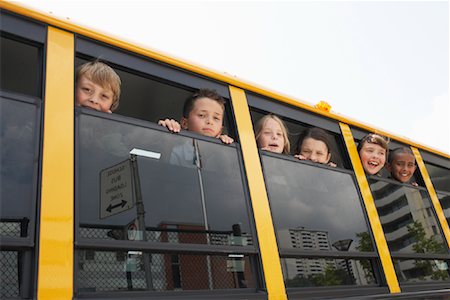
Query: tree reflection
(426, 244)
(331, 276)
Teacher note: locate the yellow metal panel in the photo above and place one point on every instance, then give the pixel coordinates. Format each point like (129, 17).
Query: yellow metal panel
(158, 55)
(371, 209)
(55, 276)
(263, 218)
(433, 195)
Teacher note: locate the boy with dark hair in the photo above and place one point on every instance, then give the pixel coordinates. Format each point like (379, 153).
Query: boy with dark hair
(402, 165)
(202, 113)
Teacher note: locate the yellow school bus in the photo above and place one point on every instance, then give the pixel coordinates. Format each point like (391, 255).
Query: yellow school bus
(93, 207)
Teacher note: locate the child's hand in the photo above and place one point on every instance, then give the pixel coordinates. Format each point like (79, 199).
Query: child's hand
(226, 139)
(170, 124)
(414, 184)
(299, 156)
(332, 164)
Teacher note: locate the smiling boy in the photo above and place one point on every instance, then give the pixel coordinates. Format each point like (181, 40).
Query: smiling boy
(97, 87)
(402, 165)
(373, 150)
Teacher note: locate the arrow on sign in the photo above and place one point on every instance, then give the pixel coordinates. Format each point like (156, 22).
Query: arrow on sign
(111, 207)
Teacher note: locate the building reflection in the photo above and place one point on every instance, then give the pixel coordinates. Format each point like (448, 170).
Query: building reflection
(410, 226)
(319, 271)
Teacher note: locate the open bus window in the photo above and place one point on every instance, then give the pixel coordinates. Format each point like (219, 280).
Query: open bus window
(19, 67)
(394, 171)
(148, 98)
(295, 129)
(192, 190)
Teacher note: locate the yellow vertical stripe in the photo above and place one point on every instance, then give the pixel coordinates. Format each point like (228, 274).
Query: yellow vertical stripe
(55, 275)
(433, 195)
(263, 219)
(371, 209)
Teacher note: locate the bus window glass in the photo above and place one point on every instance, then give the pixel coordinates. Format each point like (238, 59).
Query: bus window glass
(18, 137)
(192, 190)
(105, 271)
(421, 270)
(304, 272)
(407, 217)
(440, 177)
(295, 129)
(445, 203)
(315, 208)
(19, 67)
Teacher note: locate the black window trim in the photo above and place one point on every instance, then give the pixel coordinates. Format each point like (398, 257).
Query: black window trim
(139, 63)
(23, 27)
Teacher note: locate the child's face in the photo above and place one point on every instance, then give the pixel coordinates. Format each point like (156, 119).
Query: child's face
(402, 167)
(91, 95)
(205, 118)
(315, 150)
(373, 157)
(271, 138)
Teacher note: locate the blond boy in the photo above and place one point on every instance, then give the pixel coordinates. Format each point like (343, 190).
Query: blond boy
(97, 87)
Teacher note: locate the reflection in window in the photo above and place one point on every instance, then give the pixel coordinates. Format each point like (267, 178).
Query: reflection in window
(192, 193)
(408, 226)
(18, 134)
(440, 177)
(421, 270)
(9, 276)
(314, 208)
(114, 271)
(303, 272)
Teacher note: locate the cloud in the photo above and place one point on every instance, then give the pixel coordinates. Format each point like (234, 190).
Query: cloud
(433, 129)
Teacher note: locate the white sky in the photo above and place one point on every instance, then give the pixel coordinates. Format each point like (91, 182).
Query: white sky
(384, 63)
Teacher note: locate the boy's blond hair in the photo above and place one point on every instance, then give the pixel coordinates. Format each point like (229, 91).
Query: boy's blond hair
(260, 125)
(103, 75)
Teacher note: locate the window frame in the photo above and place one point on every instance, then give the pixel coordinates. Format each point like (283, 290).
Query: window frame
(25, 30)
(371, 256)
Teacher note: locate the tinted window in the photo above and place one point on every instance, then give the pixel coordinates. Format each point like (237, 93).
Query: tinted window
(440, 177)
(195, 186)
(303, 272)
(121, 271)
(314, 208)
(423, 270)
(445, 203)
(19, 132)
(19, 67)
(407, 218)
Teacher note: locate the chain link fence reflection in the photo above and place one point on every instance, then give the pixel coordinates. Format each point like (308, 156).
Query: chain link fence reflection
(9, 277)
(134, 270)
